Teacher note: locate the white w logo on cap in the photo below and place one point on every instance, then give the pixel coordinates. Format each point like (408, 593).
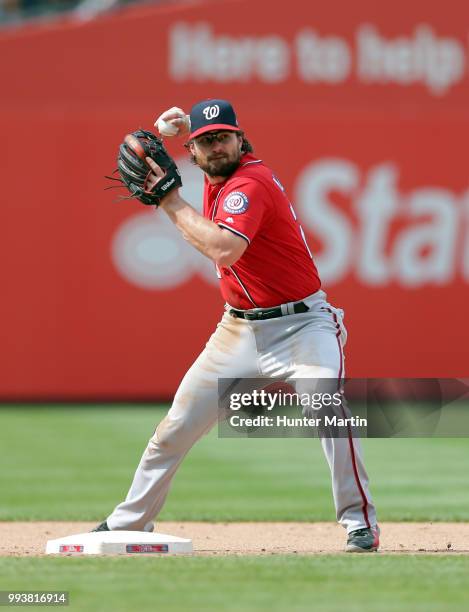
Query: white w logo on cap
(211, 112)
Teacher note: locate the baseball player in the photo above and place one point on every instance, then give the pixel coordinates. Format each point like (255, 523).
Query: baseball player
(277, 322)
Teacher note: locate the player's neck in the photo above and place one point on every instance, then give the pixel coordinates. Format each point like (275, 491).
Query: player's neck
(216, 180)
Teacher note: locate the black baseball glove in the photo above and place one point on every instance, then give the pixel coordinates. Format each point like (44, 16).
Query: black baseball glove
(134, 171)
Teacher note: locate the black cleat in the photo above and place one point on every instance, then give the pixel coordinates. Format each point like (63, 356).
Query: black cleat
(149, 527)
(363, 540)
(102, 527)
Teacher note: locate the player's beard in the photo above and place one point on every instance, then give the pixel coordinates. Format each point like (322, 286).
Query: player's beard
(221, 166)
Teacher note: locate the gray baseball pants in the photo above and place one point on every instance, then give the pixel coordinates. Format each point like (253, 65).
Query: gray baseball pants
(306, 345)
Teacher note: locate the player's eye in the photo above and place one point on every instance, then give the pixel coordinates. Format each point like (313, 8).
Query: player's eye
(205, 141)
(223, 137)
(209, 139)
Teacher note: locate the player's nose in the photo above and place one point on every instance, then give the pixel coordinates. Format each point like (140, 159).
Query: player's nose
(217, 147)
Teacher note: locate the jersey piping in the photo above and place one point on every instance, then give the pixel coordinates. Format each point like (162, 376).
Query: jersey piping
(238, 233)
(214, 211)
(243, 288)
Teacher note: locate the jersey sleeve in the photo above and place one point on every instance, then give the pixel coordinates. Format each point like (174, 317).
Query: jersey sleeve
(243, 205)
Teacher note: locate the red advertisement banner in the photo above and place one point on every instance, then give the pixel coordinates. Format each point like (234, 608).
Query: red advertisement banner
(363, 117)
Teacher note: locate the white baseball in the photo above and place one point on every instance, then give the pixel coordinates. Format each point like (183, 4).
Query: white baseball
(166, 128)
(173, 122)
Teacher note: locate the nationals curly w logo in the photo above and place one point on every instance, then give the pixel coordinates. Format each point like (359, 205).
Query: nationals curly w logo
(211, 112)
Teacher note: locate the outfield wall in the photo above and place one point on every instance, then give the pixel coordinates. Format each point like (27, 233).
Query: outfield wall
(363, 115)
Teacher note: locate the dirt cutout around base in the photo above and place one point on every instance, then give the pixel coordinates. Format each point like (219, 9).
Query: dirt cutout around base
(28, 539)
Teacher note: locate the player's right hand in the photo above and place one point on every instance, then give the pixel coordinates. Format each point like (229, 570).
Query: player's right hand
(173, 122)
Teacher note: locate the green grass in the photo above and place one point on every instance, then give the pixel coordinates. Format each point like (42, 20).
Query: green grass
(67, 463)
(236, 584)
(76, 463)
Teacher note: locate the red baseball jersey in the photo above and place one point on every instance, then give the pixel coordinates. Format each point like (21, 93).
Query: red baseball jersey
(277, 266)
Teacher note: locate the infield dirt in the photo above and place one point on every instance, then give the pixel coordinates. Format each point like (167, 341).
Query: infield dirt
(28, 539)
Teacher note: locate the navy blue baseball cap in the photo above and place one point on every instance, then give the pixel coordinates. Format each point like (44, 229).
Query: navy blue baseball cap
(212, 115)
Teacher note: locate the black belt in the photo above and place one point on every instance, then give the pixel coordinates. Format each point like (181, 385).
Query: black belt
(267, 313)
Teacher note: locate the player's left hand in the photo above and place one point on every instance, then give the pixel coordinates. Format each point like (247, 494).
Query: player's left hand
(155, 175)
(146, 169)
